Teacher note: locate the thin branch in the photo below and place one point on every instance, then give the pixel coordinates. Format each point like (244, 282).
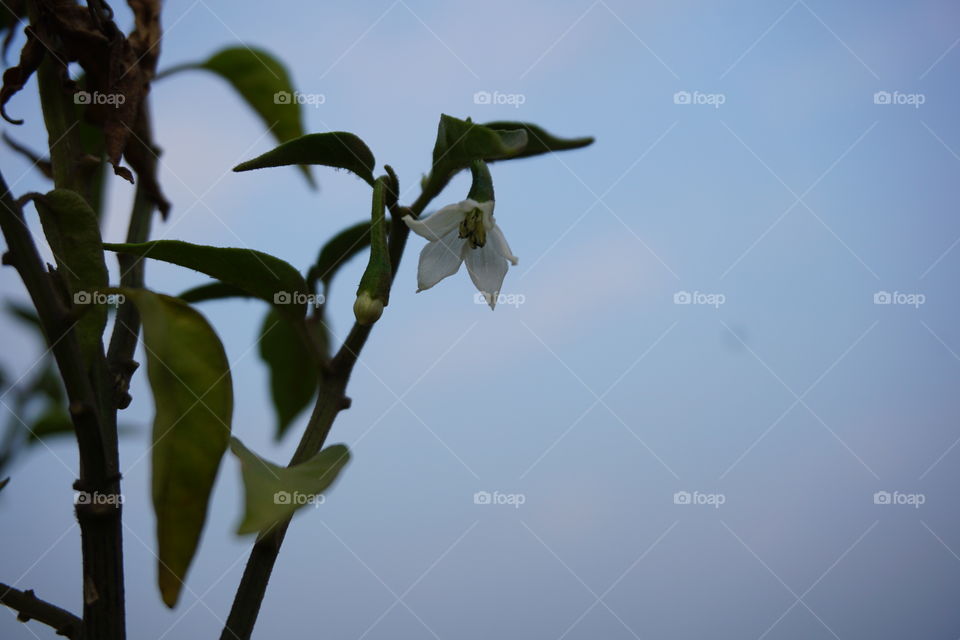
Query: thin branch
(100, 529)
(330, 401)
(29, 607)
(126, 328)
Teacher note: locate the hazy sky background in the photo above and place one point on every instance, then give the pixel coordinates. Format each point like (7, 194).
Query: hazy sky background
(598, 399)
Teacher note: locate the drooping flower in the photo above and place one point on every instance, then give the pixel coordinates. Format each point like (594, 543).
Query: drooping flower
(463, 232)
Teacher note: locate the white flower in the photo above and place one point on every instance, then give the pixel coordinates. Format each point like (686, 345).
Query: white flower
(463, 232)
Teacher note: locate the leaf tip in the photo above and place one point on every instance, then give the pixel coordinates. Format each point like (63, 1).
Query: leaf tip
(308, 175)
(170, 586)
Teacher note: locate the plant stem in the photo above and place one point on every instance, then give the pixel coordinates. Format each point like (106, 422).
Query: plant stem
(29, 607)
(91, 392)
(330, 401)
(63, 132)
(177, 68)
(99, 524)
(126, 328)
(263, 556)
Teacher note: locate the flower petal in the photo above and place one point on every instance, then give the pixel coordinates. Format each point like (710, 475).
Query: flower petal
(486, 208)
(499, 242)
(439, 259)
(439, 223)
(487, 269)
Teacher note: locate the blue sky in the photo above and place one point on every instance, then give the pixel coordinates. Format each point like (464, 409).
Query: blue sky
(796, 200)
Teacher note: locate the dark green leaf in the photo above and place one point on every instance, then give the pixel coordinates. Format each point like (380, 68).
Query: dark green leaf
(36, 161)
(293, 375)
(48, 384)
(73, 232)
(337, 149)
(213, 291)
(263, 82)
(538, 140)
(10, 15)
(460, 142)
(193, 397)
(337, 251)
(54, 421)
(260, 274)
(24, 313)
(273, 493)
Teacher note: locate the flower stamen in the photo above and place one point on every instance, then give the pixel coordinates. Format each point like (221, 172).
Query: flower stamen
(472, 229)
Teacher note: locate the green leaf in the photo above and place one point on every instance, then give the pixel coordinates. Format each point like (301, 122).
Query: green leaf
(337, 149)
(72, 230)
(337, 251)
(293, 375)
(24, 313)
(215, 290)
(48, 384)
(193, 396)
(538, 140)
(460, 142)
(260, 274)
(10, 16)
(263, 82)
(273, 493)
(53, 421)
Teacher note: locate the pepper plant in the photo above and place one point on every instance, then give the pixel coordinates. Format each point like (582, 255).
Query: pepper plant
(99, 128)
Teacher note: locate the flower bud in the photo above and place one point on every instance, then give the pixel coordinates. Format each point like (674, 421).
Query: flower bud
(373, 294)
(367, 309)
